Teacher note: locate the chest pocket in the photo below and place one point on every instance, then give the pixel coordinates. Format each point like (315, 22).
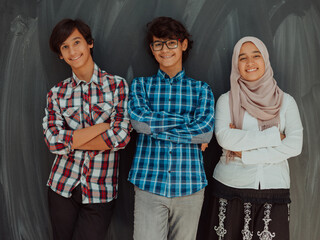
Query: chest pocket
(101, 112)
(72, 117)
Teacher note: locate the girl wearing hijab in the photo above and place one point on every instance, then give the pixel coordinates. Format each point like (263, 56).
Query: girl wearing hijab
(259, 128)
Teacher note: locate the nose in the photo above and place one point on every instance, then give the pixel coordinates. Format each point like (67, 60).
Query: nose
(71, 50)
(250, 61)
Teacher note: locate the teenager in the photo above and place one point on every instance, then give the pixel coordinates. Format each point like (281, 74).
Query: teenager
(174, 115)
(259, 128)
(86, 122)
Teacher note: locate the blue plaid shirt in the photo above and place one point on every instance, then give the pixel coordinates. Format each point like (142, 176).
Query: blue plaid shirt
(173, 116)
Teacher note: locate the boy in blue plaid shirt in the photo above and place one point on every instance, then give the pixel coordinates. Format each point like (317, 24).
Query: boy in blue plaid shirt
(174, 115)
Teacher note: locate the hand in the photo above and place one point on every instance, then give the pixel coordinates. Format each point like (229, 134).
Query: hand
(232, 126)
(204, 146)
(282, 136)
(238, 154)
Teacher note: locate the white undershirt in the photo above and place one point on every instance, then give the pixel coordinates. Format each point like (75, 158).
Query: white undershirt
(264, 155)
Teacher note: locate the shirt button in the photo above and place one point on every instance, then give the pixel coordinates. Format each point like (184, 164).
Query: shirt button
(169, 171)
(83, 179)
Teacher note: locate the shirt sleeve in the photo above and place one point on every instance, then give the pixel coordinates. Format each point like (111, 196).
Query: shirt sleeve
(238, 139)
(118, 136)
(290, 146)
(57, 137)
(200, 128)
(140, 112)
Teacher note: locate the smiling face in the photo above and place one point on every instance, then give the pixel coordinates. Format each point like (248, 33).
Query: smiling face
(75, 51)
(250, 62)
(170, 60)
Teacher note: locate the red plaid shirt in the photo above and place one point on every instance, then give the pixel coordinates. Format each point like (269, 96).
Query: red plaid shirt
(73, 104)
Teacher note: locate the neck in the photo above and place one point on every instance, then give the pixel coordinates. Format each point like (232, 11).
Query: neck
(171, 72)
(85, 72)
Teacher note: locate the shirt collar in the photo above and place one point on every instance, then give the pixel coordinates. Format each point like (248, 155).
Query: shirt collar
(96, 77)
(178, 76)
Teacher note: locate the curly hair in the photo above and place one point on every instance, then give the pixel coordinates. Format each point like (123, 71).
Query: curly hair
(168, 28)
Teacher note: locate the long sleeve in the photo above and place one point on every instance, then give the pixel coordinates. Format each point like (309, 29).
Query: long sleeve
(118, 136)
(200, 127)
(291, 146)
(57, 137)
(140, 112)
(238, 139)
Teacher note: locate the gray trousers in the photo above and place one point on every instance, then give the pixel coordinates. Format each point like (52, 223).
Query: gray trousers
(160, 218)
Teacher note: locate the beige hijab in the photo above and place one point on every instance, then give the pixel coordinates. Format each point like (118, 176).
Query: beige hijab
(262, 98)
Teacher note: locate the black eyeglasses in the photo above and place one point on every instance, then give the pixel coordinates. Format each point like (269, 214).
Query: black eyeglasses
(171, 44)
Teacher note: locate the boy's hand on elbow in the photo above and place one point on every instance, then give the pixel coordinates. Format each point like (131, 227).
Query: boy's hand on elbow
(204, 146)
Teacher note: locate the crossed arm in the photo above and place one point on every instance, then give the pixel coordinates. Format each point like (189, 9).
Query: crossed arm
(60, 139)
(170, 126)
(90, 138)
(253, 146)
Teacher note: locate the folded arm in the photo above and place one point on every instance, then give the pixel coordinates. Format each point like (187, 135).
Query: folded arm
(238, 139)
(200, 128)
(290, 146)
(143, 119)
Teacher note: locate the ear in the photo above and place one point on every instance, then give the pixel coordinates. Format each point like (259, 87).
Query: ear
(60, 56)
(91, 45)
(184, 44)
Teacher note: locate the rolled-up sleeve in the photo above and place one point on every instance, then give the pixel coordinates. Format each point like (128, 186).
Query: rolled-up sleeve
(56, 136)
(118, 136)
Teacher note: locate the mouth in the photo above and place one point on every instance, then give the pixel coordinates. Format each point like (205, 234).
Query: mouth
(76, 58)
(252, 70)
(166, 56)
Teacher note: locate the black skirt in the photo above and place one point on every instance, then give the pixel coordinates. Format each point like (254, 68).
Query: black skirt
(249, 214)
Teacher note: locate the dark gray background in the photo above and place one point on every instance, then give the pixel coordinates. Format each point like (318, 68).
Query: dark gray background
(289, 28)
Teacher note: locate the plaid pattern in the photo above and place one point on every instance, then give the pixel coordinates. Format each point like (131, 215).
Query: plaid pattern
(73, 104)
(166, 162)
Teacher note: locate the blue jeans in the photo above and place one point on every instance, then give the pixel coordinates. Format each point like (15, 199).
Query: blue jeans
(160, 218)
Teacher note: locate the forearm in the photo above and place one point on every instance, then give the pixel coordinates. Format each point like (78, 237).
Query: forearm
(85, 135)
(97, 143)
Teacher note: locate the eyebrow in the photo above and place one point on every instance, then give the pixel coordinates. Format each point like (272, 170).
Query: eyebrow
(75, 38)
(252, 52)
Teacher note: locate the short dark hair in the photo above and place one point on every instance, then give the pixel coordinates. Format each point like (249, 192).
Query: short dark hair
(168, 28)
(64, 29)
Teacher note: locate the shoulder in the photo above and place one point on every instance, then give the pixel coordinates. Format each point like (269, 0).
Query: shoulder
(112, 81)
(144, 80)
(288, 100)
(198, 84)
(224, 98)
(61, 88)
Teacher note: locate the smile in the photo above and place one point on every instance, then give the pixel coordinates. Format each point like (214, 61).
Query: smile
(252, 70)
(167, 56)
(76, 58)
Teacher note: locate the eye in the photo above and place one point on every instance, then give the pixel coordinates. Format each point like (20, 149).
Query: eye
(242, 59)
(76, 42)
(64, 47)
(157, 44)
(257, 56)
(172, 43)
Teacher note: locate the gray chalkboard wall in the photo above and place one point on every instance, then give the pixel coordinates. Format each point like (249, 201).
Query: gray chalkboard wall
(289, 28)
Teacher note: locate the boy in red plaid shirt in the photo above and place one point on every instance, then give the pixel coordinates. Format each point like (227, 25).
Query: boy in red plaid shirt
(86, 122)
